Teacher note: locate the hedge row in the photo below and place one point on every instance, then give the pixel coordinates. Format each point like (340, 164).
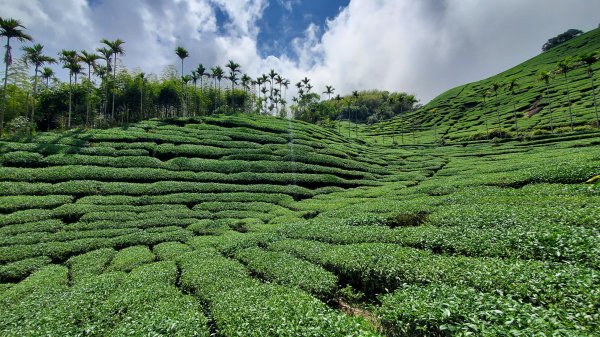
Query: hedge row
(288, 270)
(60, 251)
(187, 198)
(92, 187)
(130, 258)
(551, 242)
(47, 149)
(89, 264)
(440, 310)
(65, 173)
(52, 225)
(145, 301)
(376, 268)
(240, 305)
(61, 236)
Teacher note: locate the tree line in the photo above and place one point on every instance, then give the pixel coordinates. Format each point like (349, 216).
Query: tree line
(102, 92)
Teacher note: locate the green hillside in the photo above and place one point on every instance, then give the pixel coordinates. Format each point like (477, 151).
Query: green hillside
(260, 226)
(460, 113)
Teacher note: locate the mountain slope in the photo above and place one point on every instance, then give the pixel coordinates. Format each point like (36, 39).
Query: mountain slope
(461, 113)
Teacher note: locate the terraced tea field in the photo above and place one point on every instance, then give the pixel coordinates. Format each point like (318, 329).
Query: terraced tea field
(259, 226)
(533, 107)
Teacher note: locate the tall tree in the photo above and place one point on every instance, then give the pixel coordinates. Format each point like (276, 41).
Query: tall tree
(329, 91)
(90, 60)
(495, 86)
(544, 76)
(201, 71)
(34, 56)
(70, 62)
(47, 74)
(512, 86)
(182, 53)
(217, 74)
(106, 54)
(588, 61)
(355, 95)
(10, 29)
(234, 69)
(116, 47)
(142, 77)
(272, 74)
(563, 67)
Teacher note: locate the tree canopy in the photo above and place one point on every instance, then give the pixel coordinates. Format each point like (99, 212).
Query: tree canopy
(561, 38)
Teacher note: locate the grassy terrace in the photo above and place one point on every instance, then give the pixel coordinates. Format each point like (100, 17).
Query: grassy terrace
(461, 113)
(261, 226)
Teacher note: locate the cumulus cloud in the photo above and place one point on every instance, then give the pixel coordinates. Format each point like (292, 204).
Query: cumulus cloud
(429, 46)
(419, 46)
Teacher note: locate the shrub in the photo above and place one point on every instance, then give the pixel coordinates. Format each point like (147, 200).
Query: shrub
(131, 257)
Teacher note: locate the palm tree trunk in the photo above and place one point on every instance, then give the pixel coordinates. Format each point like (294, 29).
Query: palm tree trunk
(112, 114)
(595, 106)
(498, 111)
(515, 113)
(142, 101)
(87, 111)
(201, 96)
(70, 95)
(550, 110)
(5, 84)
(569, 102)
(35, 81)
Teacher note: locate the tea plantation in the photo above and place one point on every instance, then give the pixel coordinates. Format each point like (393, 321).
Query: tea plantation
(260, 226)
(535, 98)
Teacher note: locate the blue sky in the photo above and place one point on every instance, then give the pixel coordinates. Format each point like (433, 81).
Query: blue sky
(285, 20)
(423, 47)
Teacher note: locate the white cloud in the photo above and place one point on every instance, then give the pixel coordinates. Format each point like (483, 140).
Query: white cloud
(419, 46)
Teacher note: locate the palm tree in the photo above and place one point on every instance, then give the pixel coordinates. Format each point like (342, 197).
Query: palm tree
(33, 55)
(355, 95)
(47, 74)
(588, 60)
(142, 76)
(69, 60)
(563, 67)
(246, 80)
(234, 68)
(495, 86)
(259, 81)
(195, 81)
(185, 80)
(329, 91)
(116, 47)
(201, 71)
(89, 59)
(272, 74)
(285, 83)
(217, 74)
(106, 54)
(9, 28)
(544, 76)
(484, 94)
(512, 86)
(182, 53)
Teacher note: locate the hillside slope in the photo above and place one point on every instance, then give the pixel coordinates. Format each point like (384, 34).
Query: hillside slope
(259, 226)
(460, 113)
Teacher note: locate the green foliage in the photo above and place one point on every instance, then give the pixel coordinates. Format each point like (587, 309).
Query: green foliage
(459, 311)
(259, 221)
(131, 257)
(285, 269)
